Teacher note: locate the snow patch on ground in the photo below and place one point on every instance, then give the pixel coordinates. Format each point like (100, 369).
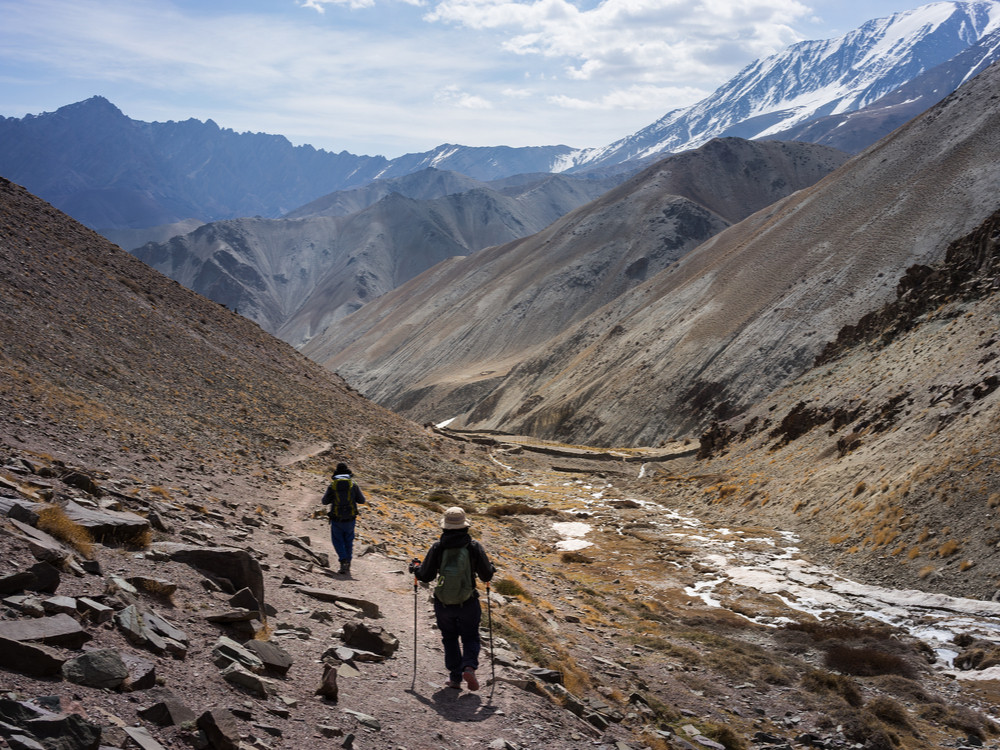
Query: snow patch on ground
(572, 531)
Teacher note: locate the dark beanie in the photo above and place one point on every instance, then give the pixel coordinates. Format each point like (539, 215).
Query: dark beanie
(342, 469)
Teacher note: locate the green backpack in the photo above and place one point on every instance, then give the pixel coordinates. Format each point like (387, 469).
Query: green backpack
(455, 583)
(343, 507)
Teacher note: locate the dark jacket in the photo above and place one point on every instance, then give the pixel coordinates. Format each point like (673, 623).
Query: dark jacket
(427, 571)
(339, 498)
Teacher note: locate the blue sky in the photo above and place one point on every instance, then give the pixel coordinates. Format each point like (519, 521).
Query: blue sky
(397, 76)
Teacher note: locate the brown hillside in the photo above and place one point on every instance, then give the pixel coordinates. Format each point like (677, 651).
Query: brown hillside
(884, 454)
(435, 348)
(98, 345)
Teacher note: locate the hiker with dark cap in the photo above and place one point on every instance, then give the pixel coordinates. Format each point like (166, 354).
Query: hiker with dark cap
(343, 496)
(456, 559)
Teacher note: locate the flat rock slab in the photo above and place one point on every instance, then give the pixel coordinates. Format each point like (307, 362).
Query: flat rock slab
(42, 545)
(143, 738)
(107, 525)
(370, 609)
(275, 658)
(167, 709)
(29, 658)
(58, 630)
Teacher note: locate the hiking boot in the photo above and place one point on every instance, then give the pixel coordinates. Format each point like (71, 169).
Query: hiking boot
(345, 568)
(454, 684)
(470, 678)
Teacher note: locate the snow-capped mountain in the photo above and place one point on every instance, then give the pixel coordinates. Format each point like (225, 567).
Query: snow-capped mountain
(812, 79)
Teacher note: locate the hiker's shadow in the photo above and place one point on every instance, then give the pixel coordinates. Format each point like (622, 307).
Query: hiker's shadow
(455, 706)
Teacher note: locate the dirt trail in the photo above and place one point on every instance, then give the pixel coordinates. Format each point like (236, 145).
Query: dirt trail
(412, 705)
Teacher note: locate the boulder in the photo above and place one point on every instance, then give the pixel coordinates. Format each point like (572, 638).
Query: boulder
(274, 658)
(15, 583)
(82, 481)
(370, 609)
(20, 510)
(232, 569)
(95, 611)
(244, 599)
(100, 668)
(328, 684)
(64, 732)
(159, 624)
(29, 658)
(55, 605)
(47, 578)
(58, 630)
(377, 640)
(236, 675)
(221, 729)
(43, 546)
(167, 709)
(228, 651)
(141, 672)
(108, 526)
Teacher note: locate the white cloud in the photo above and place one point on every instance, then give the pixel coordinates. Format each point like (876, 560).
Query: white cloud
(320, 5)
(647, 41)
(452, 96)
(660, 98)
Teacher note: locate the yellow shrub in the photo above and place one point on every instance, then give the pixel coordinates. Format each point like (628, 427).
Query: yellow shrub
(53, 520)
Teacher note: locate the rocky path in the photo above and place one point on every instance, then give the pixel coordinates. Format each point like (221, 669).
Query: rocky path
(405, 697)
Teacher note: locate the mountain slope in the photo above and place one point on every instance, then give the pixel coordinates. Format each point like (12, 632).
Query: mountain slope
(433, 347)
(855, 131)
(815, 79)
(883, 452)
(297, 276)
(751, 308)
(100, 352)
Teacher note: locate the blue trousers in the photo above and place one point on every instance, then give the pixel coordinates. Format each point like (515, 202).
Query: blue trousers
(459, 626)
(342, 536)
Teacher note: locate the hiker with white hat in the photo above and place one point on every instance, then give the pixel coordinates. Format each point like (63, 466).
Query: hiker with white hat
(456, 560)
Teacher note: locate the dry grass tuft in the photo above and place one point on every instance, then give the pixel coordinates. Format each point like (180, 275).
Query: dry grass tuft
(949, 548)
(510, 587)
(828, 683)
(53, 520)
(964, 719)
(518, 509)
(575, 557)
(890, 711)
(866, 661)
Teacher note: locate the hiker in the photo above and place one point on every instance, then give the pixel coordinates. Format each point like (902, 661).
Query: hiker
(455, 560)
(343, 496)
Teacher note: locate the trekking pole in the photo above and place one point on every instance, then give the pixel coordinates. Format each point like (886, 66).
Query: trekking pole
(413, 684)
(493, 664)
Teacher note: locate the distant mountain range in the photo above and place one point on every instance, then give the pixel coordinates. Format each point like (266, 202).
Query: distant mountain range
(298, 275)
(111, 172)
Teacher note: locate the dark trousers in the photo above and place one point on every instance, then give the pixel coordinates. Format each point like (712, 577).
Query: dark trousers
(459, 626)
(342, 536)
